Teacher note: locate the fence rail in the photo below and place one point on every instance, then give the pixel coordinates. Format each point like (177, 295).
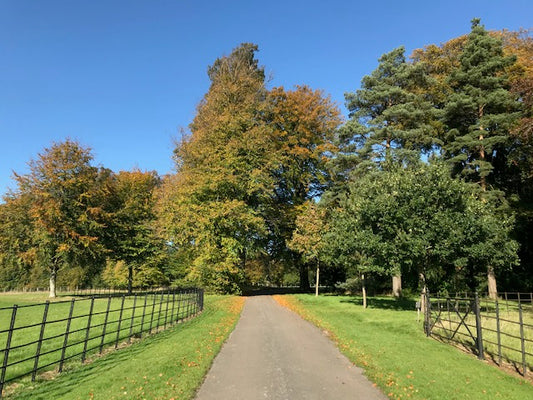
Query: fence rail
(500, 329)
(39, 337)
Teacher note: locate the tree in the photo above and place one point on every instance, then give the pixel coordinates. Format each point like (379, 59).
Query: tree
(480, 113)
(17, 253)
(303, 123)
(133, 239)
(212, 206)
(420, 219)
(307, 238)
(66, 210)
(511, 164)
(391, 120)
(390, 117)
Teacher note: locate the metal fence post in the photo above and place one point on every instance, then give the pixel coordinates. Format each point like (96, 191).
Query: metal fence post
(144, 313)
(8, 345)
(88, 330)
(132, 321)
(65, 340)
(498, 333)
(173, 306)
(120, 320)
(166, 307)
(522, 341)
(479, 335)
(105, 324)
(40, 341)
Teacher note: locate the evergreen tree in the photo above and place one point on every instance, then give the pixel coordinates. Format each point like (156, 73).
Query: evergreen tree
(481, 111)
(391, 119)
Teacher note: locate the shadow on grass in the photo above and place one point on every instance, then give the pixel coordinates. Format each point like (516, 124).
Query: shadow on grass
(77, 373)
(384, 303)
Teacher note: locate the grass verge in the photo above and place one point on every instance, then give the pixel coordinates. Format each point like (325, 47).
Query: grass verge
(169, 365)
(388, 342)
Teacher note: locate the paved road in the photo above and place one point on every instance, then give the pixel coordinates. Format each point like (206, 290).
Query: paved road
(274, 354)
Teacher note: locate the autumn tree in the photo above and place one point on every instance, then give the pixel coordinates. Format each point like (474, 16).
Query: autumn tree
(302, 123)
(212, 206)
(17, 253)
(307, 238)
(66, 208)
(132, 236)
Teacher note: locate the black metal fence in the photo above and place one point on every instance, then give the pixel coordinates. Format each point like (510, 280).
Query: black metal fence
(501, 329)
(40, 337)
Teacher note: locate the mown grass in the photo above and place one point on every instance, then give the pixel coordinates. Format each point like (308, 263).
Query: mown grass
(452, 320)
(150, 312)
(388, 342)
(169, 365)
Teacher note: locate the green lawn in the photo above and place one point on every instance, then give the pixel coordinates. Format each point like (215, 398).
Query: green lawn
(150, 312)
(388, 342)
(171, 364)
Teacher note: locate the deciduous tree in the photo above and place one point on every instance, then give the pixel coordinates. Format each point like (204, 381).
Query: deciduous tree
(66, 208)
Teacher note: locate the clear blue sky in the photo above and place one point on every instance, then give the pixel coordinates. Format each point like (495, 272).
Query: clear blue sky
(123, 77)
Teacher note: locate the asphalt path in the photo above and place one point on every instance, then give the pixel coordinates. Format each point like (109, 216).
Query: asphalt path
(275, 354)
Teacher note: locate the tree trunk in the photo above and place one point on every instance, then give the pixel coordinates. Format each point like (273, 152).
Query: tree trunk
(363, 283)
(493, 290)
(317, 278)
(130, 279)
(423, 295)
(304, 276)
(53, 276)
(397, 285)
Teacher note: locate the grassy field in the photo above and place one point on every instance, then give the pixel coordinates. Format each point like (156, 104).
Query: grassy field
(169, 365)
(158, 310)
(388, 342)
(506, 322)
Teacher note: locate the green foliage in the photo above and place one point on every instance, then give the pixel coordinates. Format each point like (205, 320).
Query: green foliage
(390, 117)
(131, 234)
(481, 110)
(419, 219)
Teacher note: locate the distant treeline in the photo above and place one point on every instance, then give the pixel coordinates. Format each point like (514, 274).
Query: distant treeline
(429, 181)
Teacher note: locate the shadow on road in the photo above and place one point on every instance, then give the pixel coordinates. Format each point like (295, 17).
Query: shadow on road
(267, 291)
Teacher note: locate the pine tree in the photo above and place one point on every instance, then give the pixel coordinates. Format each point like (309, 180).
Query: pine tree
(391, 119)
(480, 113)
(481, 110)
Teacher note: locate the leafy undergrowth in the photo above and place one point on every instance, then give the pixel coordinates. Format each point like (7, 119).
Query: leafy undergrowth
(388, 342)
(169, 365)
